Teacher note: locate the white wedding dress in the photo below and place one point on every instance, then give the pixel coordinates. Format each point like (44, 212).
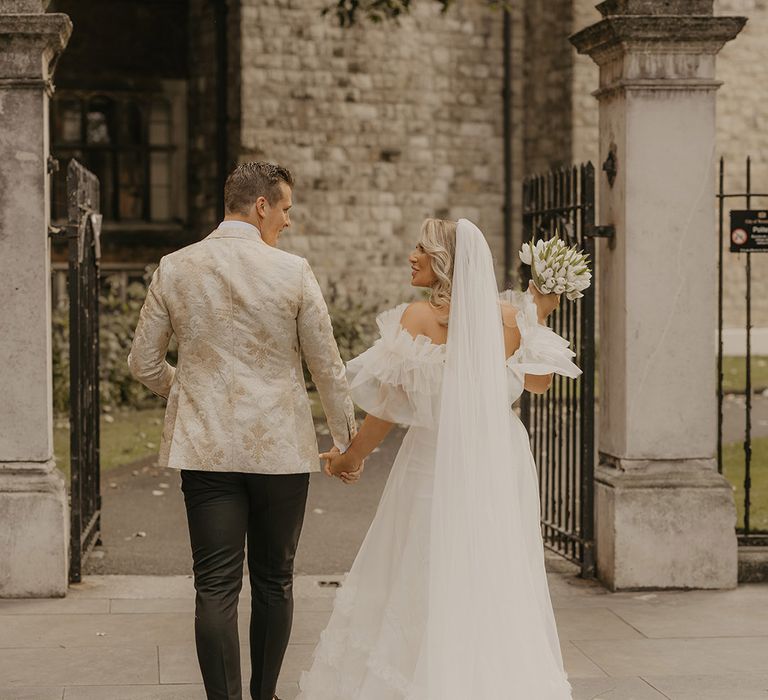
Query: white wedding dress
(377, 643)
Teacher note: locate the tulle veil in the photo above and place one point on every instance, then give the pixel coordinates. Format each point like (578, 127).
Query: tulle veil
(491, 632)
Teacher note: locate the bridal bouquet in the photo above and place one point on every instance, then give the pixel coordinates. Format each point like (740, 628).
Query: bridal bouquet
(556, 268)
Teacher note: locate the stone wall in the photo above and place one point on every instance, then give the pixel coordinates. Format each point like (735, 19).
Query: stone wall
(549, 62)
(382, 126)
(742, 130)
(585, 80)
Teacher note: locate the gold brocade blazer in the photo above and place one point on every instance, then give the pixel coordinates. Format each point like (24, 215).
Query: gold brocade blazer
(243, 314)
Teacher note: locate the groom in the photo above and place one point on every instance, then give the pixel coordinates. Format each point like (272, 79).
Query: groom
(238, 421)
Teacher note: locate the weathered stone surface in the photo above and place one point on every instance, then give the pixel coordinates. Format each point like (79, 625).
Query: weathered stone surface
(33, 501)
(667, 527)
(711, 33)
(742, 130)
(655, 7)
(34, 534)
(29, 44)
(664, 517)
(753, 564)
(382, 125)
(25, 344)
(23, 6)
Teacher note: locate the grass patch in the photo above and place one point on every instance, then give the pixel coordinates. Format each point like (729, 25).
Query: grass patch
(735, 373)
(125, 437)
(733, 470)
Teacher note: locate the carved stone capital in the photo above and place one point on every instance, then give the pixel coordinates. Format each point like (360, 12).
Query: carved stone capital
(656, 51)
(23, 7)
(29, 47)
(650, 33)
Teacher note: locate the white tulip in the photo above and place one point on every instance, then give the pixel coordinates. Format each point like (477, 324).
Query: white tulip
(557, 267)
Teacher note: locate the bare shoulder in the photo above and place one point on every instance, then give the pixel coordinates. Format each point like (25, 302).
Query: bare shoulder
(417, 318)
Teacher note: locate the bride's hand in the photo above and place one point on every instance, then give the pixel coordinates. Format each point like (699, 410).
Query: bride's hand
(342, 465)
(545, 303)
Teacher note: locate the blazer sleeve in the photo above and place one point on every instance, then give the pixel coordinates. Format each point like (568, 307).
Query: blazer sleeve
(150, 341)
(321, 354)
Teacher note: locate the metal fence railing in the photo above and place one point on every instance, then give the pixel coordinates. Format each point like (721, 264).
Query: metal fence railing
(561, 422)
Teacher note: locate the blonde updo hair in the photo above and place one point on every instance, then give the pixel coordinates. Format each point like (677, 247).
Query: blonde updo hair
(438, 240)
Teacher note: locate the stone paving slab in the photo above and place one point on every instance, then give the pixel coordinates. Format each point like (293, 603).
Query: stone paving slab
(136, 692)
(577, 663)
(593, 623)
(53, 606)
(735, 686)
(57, 666)
(677, 657)
(614, 689)
(132, 638)
(713, 619)
(31, 693)
(178, 665)
(88, 630)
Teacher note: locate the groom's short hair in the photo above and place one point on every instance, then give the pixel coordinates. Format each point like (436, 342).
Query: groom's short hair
(251, 180)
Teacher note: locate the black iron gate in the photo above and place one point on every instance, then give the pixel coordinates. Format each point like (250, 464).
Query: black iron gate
(561, 422)
(740, 473)
(83, 231)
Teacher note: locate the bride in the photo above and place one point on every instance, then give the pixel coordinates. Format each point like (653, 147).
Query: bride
(447, 598)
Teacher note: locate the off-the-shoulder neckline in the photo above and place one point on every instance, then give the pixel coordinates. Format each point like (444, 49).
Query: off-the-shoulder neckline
(400, 310)
(428, 341)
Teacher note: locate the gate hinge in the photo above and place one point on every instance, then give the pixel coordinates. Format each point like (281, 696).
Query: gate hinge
(608, 232)
(53, 165)
(601, 232)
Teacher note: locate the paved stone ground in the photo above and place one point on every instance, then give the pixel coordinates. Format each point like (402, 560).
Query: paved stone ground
(336, 520)
(131, 638)
(144, 527)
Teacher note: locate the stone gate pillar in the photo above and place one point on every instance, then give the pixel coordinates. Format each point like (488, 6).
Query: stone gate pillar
(664, 516)
(33, 501)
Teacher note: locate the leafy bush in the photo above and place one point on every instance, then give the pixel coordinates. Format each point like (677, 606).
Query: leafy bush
(118, 315)
(354, 327)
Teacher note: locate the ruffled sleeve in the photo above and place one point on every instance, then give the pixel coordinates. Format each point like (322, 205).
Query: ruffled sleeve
(541, 351)
(398, 379)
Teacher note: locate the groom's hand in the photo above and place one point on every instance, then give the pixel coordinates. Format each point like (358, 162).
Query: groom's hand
(327, 456)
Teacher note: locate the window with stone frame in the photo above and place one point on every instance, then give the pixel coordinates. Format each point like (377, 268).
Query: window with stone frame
(131, 142)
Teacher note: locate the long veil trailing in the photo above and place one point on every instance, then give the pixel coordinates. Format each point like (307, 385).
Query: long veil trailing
(490, 633)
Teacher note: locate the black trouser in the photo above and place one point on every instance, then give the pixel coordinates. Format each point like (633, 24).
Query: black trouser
(221, 508)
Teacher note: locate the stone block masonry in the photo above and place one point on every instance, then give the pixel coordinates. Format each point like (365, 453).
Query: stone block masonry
(382, 125)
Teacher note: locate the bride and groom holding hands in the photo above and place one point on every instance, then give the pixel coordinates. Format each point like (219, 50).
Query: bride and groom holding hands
(447, 598)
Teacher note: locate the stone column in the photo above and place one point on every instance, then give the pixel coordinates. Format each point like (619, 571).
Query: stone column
(34, 519)
(664, 517)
